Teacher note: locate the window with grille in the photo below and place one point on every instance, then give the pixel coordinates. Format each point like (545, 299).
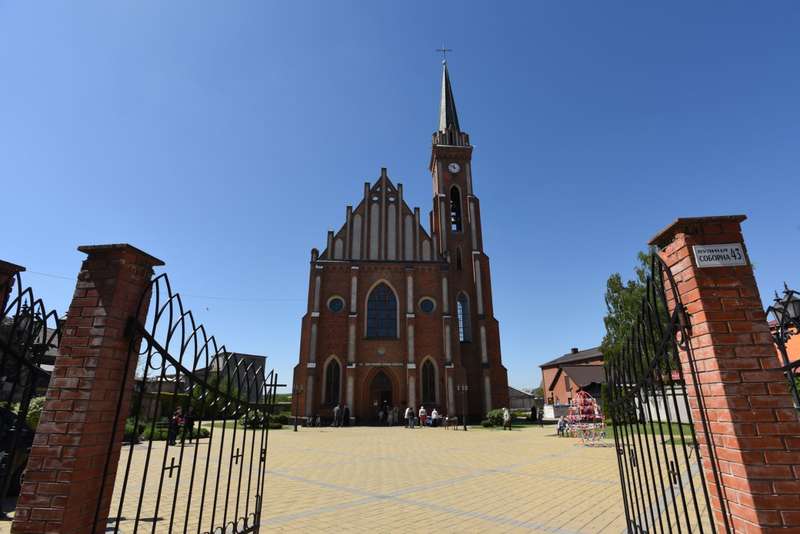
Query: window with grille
(462, 310)
(382, 313)
(332, 383)
(428, 383)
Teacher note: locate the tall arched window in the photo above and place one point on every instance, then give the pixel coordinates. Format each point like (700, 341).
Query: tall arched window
(455, 209)
(332, 382)
(382, 312)
(464, 321)
(428, 383)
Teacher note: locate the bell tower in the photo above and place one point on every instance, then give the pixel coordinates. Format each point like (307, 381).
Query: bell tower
(470, 326)
(455, 212)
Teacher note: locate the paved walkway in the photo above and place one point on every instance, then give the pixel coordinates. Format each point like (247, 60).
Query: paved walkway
(387, 480)
(434, 480)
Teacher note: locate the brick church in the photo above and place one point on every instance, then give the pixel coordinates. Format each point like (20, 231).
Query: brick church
(399, 314)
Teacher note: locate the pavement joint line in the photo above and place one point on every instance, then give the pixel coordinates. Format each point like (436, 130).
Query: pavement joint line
(397, 494)
(377, 497)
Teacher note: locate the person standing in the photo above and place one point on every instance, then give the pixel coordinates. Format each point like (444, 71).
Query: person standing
(188, 426)
(533, 413)
(345, 416)
(423, 416)
(175, 423)
(336, 411)
(409, 417)
(506, 419)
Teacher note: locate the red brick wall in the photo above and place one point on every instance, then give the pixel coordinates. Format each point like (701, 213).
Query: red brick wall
(7, 276)
(428, 339)
(65, 468)
(755, 431)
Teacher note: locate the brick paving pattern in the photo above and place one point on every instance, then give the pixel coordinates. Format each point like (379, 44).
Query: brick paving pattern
(386, 479)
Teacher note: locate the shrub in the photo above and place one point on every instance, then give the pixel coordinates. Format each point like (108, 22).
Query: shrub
(486, 423)
(160, 434)
(254, 421)
(275, 426)
(495, 417)
(154, 434)
(34, 412)
(132, 434)
(257, 420)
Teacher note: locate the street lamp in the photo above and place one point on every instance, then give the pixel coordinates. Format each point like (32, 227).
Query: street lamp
(297, 390)
(463, 388)
(786, 313)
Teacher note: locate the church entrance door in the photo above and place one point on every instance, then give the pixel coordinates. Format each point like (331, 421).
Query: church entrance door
(380, 391)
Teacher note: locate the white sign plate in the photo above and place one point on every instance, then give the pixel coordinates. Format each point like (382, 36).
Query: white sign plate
(722, 255)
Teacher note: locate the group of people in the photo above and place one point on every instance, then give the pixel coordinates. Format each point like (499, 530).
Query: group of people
(388, 415)
(341, 415)
(422, 418)
(179, 422)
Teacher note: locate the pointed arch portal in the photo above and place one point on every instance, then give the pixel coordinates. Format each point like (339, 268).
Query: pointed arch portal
(380, 390)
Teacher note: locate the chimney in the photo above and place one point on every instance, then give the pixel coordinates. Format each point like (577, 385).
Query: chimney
(574, 350)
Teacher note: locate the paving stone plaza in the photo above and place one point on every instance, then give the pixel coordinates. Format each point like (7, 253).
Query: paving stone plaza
(382, 479)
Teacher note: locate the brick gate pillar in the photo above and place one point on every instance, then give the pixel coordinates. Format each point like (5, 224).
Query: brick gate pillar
(62, 483)
(7, 273)
(755, 431)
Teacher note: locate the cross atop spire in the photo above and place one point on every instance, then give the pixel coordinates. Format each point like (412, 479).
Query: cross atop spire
(448, 117)
(444, 52)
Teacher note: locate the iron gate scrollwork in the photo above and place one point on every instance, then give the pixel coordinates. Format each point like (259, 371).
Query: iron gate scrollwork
(29, 333)
(195, 441)
(664, 485)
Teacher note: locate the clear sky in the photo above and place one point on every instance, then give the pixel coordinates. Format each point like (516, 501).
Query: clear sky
(226, 138)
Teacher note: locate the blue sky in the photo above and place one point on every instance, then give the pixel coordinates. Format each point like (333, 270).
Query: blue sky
(226, 138)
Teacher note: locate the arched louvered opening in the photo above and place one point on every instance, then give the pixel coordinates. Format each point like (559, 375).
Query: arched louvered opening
(455, 209)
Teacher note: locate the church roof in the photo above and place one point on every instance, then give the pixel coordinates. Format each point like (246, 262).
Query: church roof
(448, 117)
(381, 228)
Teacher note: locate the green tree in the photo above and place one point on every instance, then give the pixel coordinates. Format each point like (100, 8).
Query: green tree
(623, 302)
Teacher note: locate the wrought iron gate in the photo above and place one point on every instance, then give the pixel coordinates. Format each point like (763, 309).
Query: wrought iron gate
(28, 334)
(664, 487)
(195, 441)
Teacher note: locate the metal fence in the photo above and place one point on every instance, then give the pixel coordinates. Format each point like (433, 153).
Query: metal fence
(29, 334)
(195, 440)
(663, 482)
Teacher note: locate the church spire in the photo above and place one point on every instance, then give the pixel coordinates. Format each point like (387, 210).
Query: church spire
(448, 117)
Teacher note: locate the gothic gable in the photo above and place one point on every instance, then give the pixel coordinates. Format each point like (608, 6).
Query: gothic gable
(381, 228)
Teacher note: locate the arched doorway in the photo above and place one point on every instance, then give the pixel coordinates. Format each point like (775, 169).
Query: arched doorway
(380, 391)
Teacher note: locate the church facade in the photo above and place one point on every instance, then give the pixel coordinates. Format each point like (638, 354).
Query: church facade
(402, 315)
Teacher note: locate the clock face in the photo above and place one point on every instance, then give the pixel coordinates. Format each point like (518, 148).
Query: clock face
(454, 167)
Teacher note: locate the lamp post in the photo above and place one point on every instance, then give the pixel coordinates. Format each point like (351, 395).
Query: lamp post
(786, 313)
(463, 388)
(297, 390)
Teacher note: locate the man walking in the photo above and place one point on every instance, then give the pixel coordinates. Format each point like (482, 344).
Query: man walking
(336, 411)
(409, 417)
